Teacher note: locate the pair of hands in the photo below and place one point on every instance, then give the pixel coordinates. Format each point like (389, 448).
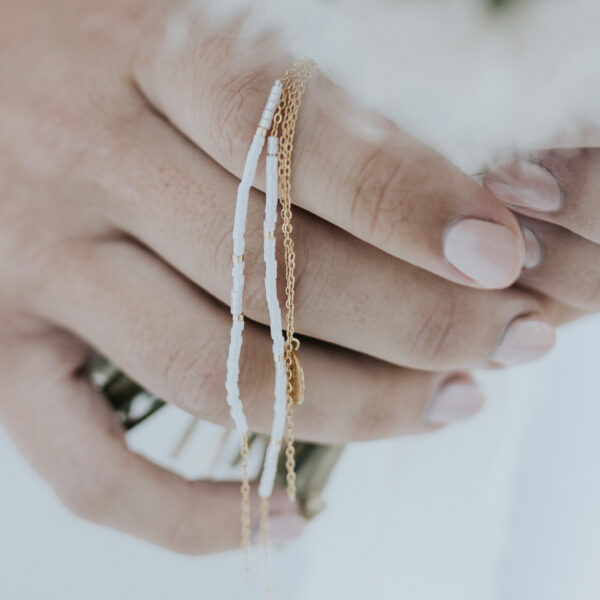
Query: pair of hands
(123, 128)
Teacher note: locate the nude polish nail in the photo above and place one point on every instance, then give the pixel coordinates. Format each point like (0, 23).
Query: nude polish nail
(489, 254)
(533, 252)
(456, 399)
(525, 340)
(524, 184)
(284, 527)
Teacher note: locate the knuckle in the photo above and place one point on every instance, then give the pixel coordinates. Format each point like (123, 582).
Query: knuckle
(61, 138)
(388, 190)
(374, 420)
(433, 339)
(194, 380)
(235, 109)
(30, 259)
(394, 407)
(318, 272)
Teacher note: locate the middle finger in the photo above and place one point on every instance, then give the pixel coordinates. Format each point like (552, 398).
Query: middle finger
(180, 203)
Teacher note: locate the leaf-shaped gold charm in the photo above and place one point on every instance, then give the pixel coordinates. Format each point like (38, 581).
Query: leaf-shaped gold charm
(297, 379)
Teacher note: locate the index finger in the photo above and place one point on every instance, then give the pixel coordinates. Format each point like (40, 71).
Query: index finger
(389, 190)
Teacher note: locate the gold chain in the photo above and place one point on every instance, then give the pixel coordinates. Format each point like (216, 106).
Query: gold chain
(245, 493)
(294, 84)
(264, 538)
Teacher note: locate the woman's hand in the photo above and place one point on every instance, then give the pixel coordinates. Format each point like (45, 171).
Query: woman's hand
(556, 196)
(123, 128)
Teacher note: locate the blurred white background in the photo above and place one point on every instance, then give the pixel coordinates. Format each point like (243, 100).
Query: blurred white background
(504, 507)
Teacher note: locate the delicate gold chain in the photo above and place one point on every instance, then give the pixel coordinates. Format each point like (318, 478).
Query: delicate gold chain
(245, 493)
(294, 84)
(264, 537)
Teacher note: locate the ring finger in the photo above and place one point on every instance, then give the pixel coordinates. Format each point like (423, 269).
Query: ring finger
(172, 338)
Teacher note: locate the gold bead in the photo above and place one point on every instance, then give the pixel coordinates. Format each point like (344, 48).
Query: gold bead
(268, 234)
(238, 318)
(238, 258)
(262, 131)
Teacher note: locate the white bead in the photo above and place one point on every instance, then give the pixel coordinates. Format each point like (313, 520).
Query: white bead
(239, 228)
(267, 480)
(279, 404)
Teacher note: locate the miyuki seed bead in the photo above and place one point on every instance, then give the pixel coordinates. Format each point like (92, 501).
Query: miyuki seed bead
(267, 479)
(239, 228)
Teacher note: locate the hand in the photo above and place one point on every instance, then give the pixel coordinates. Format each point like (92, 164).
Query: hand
(555, 194)
(122, 132)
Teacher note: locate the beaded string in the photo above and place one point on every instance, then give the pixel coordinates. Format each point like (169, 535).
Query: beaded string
(269, 472)
(236, 408)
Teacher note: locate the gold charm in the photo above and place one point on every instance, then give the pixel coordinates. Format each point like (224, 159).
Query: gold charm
(297, 379)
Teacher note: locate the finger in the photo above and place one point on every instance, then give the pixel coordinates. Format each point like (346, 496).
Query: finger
(170, 197)
(173, 339)
(561, 265)
(72, 438)
(385, 188)
(558, 186)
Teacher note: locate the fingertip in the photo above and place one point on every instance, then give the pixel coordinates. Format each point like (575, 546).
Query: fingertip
(286, 527)
(457, 398)
(526, 339)
(489, 254)
(285, 518)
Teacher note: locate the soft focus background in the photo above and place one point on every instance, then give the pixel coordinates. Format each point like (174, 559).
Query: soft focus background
(504, 507)
(468, 79)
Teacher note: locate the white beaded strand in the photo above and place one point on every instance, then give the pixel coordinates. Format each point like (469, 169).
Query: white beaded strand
(236, 408)
(267, 479)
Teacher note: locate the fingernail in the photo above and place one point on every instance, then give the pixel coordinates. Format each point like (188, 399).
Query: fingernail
(455, 400)
(285, 527)
(489, 254)
(525, 184)
(533, 253)
(525, 339)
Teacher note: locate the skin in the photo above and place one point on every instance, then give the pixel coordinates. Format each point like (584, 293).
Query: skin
(119, 161)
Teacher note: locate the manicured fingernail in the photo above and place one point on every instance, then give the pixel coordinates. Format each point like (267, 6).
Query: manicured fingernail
(457, 398)
(533, 253)
(489, 254)
(284, 527)
(525, 339)
(525, 184)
